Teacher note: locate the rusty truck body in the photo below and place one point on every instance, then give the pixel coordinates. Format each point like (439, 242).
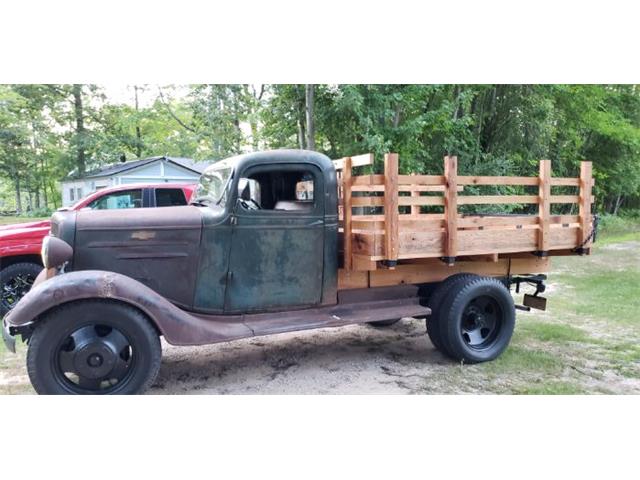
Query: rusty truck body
(282, 241)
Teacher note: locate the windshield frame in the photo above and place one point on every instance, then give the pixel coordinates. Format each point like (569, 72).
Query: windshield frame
(200, 194)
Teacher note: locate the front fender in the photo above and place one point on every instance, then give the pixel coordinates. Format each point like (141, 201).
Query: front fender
(177, 326)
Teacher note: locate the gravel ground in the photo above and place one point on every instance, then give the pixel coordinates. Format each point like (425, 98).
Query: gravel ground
(354, 359)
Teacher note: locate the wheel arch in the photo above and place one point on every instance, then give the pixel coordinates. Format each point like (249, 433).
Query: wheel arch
(179, 327)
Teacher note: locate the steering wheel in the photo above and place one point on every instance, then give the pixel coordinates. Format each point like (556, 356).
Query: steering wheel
(250, 206)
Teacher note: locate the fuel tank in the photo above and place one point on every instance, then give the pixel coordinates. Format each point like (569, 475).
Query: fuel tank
(159, 247)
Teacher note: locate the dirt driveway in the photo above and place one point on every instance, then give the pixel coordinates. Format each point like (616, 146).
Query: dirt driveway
(588, 342)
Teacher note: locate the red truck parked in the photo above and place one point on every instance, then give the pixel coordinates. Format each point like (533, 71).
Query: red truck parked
(20, 243)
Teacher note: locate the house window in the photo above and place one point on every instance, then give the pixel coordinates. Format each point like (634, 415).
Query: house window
(71, 192)
(79, 193)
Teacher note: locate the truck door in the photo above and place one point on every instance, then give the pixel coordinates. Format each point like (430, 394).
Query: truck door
(276, 258)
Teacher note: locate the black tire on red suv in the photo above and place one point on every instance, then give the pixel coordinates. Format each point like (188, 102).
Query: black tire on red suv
(15, 281)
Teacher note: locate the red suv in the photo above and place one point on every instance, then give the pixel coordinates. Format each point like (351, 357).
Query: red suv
(20, 243)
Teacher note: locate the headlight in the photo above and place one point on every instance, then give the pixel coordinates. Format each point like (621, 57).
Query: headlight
(55, 252)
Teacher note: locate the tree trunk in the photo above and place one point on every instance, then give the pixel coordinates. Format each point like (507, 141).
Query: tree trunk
(617, 204)
(311, 131)
(81, 162)
(18, 197)
(138, 131)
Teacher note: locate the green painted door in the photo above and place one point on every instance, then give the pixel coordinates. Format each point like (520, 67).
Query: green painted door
(276, 259)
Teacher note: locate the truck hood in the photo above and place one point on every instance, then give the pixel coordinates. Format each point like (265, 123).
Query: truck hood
(159, 247)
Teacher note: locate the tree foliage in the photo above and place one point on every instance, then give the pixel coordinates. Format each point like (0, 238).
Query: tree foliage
(48, 131)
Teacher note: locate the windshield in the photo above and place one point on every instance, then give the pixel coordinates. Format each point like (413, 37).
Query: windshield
(212, 185)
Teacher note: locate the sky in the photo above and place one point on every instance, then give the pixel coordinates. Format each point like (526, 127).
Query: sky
(124, 93)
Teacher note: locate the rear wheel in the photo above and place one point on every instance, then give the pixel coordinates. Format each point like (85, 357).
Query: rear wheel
(15, 281)
(476, 321)
(435, 300)
(93, 347)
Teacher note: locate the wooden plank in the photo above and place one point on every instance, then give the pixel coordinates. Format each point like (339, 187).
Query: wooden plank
(488, 221)
(544, 204)
(391, 206)
(564, 219)
(429, 243)
(421, 200)
(367, 180)
(352, 279)
(367, 243)
(565, 199)
(565, 182)
(584, 210)
(451, 206)
(402, 188)
(410, 223)
(347, 212)
(433, 270)
(496, 199)
(560, 238)
(356, 161)
(478, 180)
(363, 263)
(475, 242)
(415, 209)
(421, 179)
(367, 201)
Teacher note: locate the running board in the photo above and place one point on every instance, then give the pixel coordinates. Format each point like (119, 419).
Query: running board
(335, 316)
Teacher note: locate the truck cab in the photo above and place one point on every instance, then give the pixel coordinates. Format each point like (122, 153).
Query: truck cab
(269, 233)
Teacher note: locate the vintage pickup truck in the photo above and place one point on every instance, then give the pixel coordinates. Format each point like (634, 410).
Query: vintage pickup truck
(283, 241)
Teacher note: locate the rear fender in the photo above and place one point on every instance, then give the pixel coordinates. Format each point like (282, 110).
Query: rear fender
(177, 326)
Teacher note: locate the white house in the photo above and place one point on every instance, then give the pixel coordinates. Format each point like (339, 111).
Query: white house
(149, 170)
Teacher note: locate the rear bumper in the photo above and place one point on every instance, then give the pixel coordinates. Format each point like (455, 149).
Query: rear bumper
(8, 339)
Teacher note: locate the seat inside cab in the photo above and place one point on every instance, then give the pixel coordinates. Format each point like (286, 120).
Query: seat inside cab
(290, 191)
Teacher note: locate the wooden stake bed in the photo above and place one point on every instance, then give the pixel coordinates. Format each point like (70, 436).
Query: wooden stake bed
(399, 244)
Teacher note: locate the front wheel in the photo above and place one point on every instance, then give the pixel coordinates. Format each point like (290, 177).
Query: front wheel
(93, 347)
(476, 320)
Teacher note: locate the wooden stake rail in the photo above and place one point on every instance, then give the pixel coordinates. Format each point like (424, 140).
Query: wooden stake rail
(383, 225)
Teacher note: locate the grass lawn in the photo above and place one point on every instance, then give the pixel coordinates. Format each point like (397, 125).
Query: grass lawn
(11, 220)
(588, 341)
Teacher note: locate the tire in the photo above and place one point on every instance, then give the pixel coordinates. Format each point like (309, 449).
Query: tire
(476, 321)
(15, 281)
(93, 347)
(384, 323)
(450, 283)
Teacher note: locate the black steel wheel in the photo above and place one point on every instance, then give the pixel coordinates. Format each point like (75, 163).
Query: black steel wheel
(435, 300)
(15, 281)
(476, 321)
(93, 347)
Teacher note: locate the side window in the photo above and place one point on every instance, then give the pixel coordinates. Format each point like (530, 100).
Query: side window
(117, 200)
(170, 197)
(288, 190)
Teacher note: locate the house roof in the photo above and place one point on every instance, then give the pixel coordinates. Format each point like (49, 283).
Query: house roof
(120, 167)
